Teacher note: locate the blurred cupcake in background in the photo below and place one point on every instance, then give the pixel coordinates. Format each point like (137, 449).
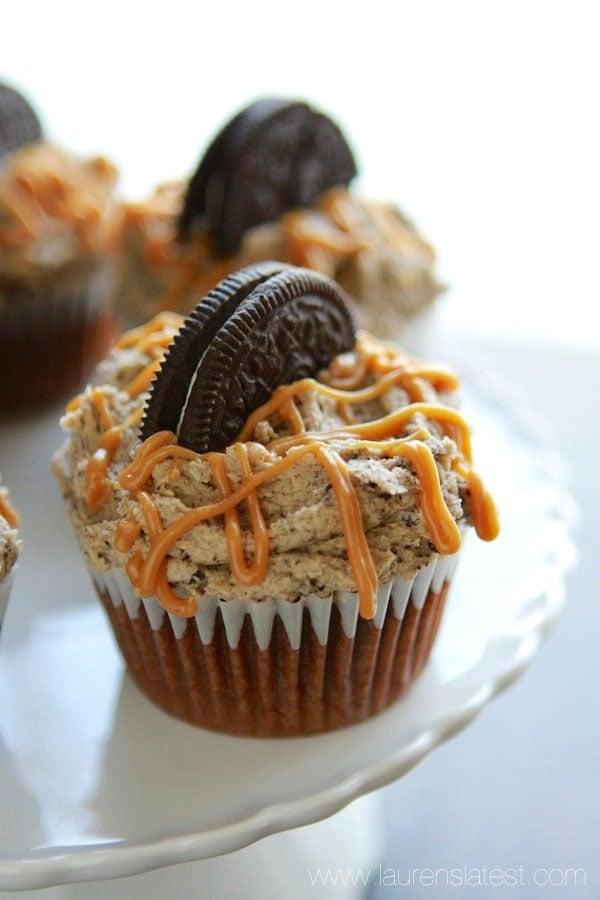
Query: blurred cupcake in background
(9, 548)
(275, 184)
(59, 225)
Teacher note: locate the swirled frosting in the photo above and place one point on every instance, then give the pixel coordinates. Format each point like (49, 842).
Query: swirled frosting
(370, 248)
(58, 217)
(308, 549)
(9, 544)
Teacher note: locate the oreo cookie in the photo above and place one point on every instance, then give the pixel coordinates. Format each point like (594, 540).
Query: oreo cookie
(265, 326)
(19, 124)
(273, 156)
(170, 387)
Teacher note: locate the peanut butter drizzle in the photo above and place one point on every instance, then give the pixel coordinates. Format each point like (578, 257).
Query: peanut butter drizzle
(153, 339)
(361, 562)
(373, 436)
(371, 358)
(309, 242)
(179, 606)
(8, 512)
(97, 466)
(359, 555)
(387, 426)
(441, 524)
(149, 574)
(146, 576)
(127, 533)
(40, 184)
(99, 488)
(315, 242)
(242, 572)
(322, 238)
(483, 512)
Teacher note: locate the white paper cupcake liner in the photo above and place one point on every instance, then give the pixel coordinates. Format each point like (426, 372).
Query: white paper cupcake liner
(399, 593)
(275, 667)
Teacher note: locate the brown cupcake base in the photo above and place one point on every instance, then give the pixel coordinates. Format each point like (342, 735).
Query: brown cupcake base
(278, 691)
(49, 344)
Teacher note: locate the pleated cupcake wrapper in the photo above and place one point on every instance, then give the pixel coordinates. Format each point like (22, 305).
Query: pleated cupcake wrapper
(275, 667)
(262, 614)
(50, 342)
(5, 588)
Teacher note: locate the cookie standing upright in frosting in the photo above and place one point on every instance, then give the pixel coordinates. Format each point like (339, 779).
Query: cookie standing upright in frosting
(293, 495)
(59, 224)
(9, 548)
(275, 184)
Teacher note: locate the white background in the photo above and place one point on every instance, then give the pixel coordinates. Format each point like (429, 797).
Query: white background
(481, 119)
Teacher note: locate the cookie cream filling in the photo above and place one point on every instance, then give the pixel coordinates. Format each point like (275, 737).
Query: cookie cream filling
(58, 217)
(369, 248)
(372, 451)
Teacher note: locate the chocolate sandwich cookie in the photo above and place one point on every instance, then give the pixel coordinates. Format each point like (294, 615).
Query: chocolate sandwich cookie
(178, 368)
(273, 156)
(263, 327)
(19, 124)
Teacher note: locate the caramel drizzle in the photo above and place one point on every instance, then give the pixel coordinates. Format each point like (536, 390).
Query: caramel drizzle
(162, 445)
(323, 238)
(41, 184)
(242, 572)
(8, 512)
(339, 228)
(149, 574)
(153, 339)
(151, 571)
(126, 534)
(376, 436)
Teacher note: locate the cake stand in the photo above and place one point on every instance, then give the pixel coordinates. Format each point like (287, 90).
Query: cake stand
(96, 783)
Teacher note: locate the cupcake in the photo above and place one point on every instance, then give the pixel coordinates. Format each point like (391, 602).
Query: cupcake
(275, 184)
(271, 506)
(59, 224)
(9, 548)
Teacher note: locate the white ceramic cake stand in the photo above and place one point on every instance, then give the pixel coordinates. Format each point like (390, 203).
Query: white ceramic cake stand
(96, 783)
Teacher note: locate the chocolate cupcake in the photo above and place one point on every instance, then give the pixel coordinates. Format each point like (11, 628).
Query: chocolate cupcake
(271, 507)
(275, 184)
(9, 548)
(59, 224)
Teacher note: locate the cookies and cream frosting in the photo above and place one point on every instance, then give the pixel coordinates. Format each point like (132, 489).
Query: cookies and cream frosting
(9, 544)
(338, 483)
(58, 216)
(369, 248)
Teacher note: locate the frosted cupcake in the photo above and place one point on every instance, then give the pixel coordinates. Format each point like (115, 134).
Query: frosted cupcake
(273, 511)
(275, 184)
(59, 223)
(9, 548)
